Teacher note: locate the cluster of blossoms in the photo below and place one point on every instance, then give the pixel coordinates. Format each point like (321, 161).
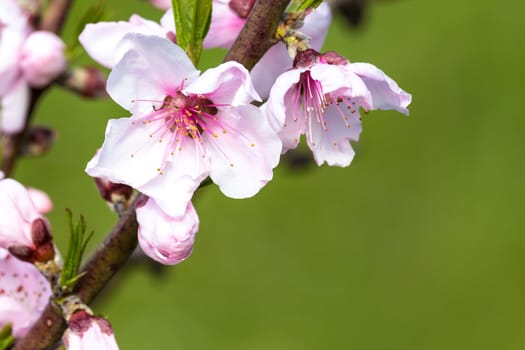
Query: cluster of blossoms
(25, 250)
(227, 124)
(186, 126)
(29, 58)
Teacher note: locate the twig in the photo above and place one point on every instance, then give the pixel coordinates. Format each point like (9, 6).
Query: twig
(258, 33)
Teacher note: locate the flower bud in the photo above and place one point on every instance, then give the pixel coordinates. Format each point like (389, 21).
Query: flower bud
(86, 81)
(42, 58)
(114, 193)
(88, 332)
(168, 240)
(39, 141)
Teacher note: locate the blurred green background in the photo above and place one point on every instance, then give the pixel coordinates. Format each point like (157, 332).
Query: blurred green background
(419, 244)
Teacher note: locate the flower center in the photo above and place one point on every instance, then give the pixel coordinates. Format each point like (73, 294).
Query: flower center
(182, 119)
(311, 103)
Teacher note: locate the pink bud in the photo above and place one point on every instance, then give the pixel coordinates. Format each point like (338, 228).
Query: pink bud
(168, 240)
(42, 58)
(88, 332)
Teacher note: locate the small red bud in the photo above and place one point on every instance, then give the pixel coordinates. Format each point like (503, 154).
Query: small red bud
(306, 58)
(23, 253)
(40, 232)
(113, 192)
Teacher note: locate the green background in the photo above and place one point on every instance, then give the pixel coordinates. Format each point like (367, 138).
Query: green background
(417, 245)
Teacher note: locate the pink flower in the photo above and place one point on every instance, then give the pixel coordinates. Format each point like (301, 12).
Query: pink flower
(27, 59)
(184, 127)
(87, 332)
(321, 98)
(22, 228)
(168, 240)
(24, 293)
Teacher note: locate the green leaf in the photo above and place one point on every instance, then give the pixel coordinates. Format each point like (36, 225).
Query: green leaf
(6, 337)
(302, 5)
(77, 245)
(192, 21)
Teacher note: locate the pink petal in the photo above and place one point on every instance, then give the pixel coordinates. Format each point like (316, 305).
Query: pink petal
(41, 200)
(279, 100)
(129, 155)
(15, 29)
(151, 67)
(332, 145)
(14, 107)
(225, 26)
(386, 94)
(180, 178)
(100, 39)
(25, 293)
(229, 83)
(17, 212)
(242, 159)
(166, 239)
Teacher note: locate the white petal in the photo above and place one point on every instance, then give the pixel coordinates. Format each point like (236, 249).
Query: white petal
(100, 39)
(386, 94)
(278, 101)
(225, 26)
(180, 178)
(129, 155)
(229, 83)
(242, 159)
(332, 145)
(14, 107)
(150, 69)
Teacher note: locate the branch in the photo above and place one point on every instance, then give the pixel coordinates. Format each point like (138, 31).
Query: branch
(108, 259)
(55, 15)
(258, 33)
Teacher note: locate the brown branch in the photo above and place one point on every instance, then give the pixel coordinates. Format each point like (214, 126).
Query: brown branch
(258, 33)
(55, 15)
(108, 259)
